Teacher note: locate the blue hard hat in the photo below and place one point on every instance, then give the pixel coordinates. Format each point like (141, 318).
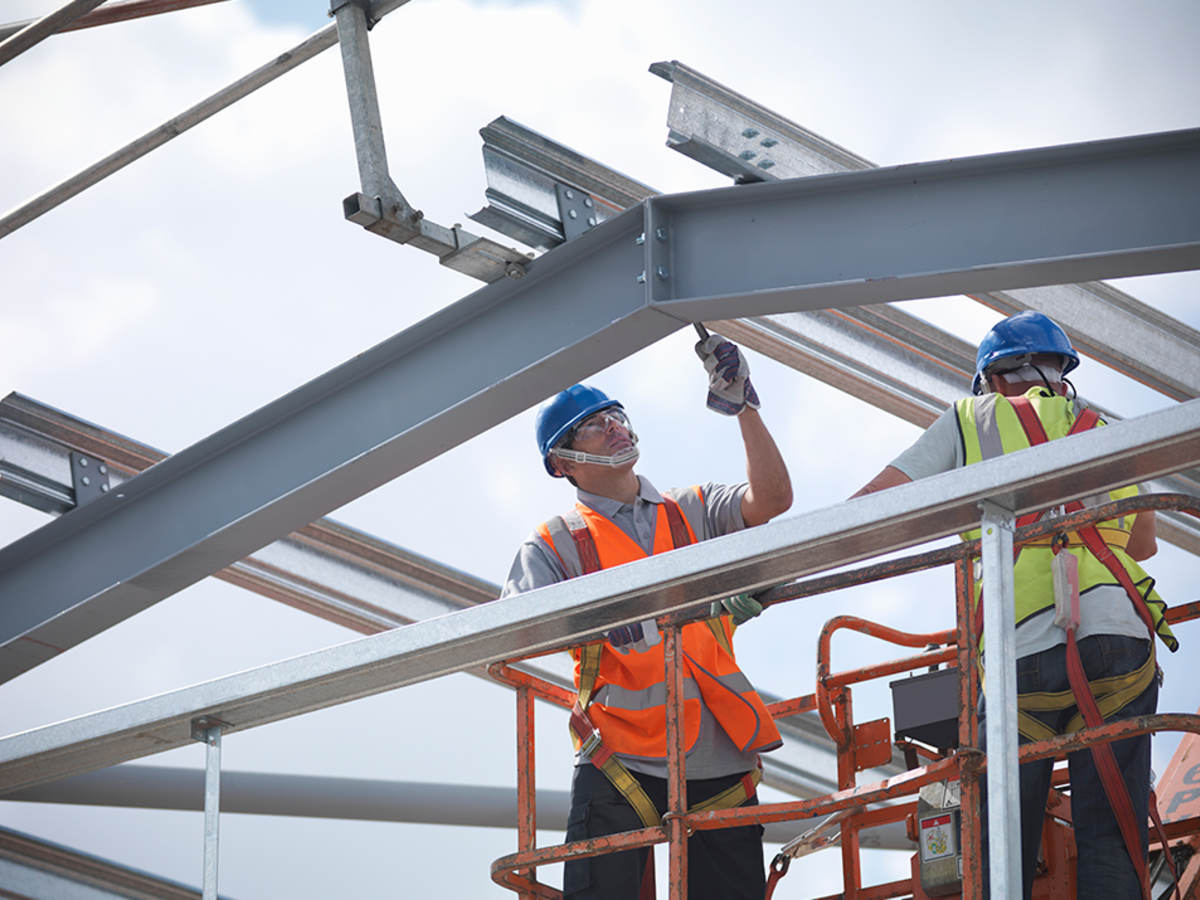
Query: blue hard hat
(564, 411)
(1024, 334)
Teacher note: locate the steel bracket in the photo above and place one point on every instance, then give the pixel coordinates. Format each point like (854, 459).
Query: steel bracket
(89, 477)
(576, 210)
(201, 725)
(364, 5)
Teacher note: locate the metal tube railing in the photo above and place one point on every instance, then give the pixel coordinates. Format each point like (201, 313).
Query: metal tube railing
(832, 699)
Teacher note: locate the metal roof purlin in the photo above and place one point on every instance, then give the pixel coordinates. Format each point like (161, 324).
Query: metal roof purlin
(736, 136)
(729, 252)
(566, 613)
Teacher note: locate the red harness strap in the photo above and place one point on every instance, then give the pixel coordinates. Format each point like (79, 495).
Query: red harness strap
(1106, 762)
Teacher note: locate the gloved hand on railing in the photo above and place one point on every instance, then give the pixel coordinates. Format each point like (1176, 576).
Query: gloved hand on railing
(742, 607)
(729, 387)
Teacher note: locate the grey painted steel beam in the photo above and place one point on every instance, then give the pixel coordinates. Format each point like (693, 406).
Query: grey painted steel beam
(738, 137)
(878, 353)
(41, 870)
(567, 613)
(827, 241)
(333, 571)
(313, 796)
(982, 223)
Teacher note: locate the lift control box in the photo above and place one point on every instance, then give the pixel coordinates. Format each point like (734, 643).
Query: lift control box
(925, 708)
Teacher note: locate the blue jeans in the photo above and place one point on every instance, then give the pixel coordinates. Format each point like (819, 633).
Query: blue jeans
(1105, 871)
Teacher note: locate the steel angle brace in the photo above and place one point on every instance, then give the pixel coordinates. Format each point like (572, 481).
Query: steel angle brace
(379, 206)
(738, 137)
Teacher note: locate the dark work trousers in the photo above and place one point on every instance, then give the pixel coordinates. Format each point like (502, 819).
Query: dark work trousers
(723, 864)
(1105, 871)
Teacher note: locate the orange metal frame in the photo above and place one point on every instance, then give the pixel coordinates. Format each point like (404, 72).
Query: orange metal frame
(859, 746)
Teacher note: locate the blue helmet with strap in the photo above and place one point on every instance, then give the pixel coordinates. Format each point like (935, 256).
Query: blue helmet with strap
(562, 412)
(1025, 334)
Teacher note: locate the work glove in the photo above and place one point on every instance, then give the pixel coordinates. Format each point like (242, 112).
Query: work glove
(636, 637)
(729, 387)
(742, 607)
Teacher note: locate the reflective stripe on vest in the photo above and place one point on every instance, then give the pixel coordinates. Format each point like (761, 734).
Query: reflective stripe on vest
(628, 700)
(989, 427)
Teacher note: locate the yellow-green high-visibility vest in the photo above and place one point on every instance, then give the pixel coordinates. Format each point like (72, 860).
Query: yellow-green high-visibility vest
(989, 427)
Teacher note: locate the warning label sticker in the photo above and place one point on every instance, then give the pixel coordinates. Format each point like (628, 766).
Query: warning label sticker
(938, 838)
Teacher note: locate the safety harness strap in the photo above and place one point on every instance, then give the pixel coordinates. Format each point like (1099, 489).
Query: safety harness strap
(1112, 694)
(1106, 762)
(591, 746)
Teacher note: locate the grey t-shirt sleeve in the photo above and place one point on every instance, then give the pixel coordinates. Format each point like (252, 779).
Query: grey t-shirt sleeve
(723, 508)
(938, 450)
(535, 566)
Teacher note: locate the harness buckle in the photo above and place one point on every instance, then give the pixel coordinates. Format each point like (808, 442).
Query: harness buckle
(589, 746)
(1060, 541)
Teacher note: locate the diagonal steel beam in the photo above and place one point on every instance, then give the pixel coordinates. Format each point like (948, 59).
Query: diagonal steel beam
(331, 570)
(878, 353)
(829, 241)
(736, 136)
(565, 614)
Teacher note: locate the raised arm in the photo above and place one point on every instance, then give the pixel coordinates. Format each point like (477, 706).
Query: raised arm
(770, 491)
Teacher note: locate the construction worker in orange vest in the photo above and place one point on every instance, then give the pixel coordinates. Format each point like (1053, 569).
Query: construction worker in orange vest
(1087, 614)
(619, 723)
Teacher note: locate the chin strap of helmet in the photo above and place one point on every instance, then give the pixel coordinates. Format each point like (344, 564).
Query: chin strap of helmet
(617, 459)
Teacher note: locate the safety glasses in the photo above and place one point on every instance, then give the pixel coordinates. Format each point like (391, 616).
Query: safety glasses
(599, 422)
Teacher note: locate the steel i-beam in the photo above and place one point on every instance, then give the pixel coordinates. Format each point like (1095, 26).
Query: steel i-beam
(821, 242)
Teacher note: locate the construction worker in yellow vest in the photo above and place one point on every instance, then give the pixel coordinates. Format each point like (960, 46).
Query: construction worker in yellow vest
(619, 723)
(1022, 397)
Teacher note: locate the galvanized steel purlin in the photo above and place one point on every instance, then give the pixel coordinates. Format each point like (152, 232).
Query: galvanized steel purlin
(578, 610)
(737, 136)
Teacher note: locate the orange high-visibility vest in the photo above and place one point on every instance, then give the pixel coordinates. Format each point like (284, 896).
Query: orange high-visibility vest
(629, 705)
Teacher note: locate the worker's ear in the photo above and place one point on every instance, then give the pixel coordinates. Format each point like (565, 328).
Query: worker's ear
(564, 467)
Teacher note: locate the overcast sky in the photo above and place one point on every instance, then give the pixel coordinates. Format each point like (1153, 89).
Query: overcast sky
(218, 273)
